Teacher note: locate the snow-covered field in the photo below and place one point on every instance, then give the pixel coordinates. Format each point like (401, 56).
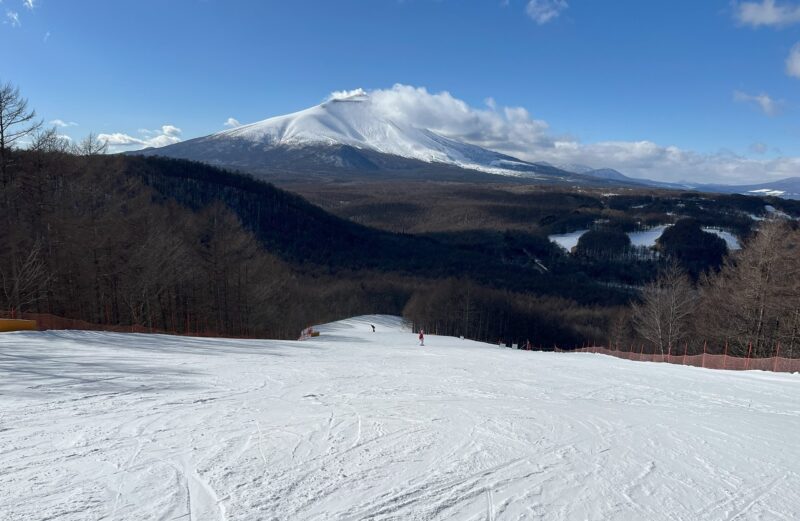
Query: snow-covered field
(568, 240)
(644, 238)
(647, 237)
(731, 241)
(356, 425)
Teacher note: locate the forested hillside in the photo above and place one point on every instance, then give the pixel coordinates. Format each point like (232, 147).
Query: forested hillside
(182, 247)
(177, 246)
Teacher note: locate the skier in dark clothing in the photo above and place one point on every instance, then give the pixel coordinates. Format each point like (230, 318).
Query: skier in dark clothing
(421, 337)
(373, 328)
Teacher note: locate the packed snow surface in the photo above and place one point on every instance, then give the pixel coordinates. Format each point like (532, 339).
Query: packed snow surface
(362, 425)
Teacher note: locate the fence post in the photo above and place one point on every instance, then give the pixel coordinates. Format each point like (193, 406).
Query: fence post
(777, 354)
(685, 349)
(725, 357)
(703, 362)
(747, 362)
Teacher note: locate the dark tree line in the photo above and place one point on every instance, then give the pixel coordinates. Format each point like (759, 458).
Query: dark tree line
(749, 307)
(85, 242)
(92, 240)
(694, 249)
(458, 307)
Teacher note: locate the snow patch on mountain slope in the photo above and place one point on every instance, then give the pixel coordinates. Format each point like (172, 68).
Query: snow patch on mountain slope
(353, 119)
(361, 425)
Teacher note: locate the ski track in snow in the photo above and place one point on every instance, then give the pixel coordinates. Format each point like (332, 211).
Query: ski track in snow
(355, 425)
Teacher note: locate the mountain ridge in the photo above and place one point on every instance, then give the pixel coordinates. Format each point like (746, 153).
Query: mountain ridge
(350, 135)
(354, 121)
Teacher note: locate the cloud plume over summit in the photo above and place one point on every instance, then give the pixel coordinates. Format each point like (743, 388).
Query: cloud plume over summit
(515, 131)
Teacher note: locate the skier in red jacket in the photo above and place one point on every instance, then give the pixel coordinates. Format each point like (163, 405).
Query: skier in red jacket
(421, 337)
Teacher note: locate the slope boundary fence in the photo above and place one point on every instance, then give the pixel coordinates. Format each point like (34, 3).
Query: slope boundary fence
(776, 363)
(46, 321)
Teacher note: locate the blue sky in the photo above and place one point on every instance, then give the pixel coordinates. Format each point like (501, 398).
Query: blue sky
(665, 89)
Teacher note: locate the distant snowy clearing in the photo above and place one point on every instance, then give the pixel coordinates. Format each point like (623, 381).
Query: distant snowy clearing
(362, 425)
(568, 240)
(645, 238)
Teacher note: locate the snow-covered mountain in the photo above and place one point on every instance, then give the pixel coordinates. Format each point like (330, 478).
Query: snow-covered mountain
(351, 133)
(788, 188)
(344, 132)
(353, 121)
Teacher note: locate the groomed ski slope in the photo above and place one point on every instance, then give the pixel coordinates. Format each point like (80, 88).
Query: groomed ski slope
(356, 425)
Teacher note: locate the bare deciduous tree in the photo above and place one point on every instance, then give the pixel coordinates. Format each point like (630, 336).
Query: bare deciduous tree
(24, 278)
(91, 146)
(662, 317)
(16, 122)
(753, 303)
(49, 140)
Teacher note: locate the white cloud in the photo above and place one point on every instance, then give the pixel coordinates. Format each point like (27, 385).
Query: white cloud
(12, 17)
(345, 94)
(768, 106)
(759, 148)
(767, 13)
(512, 130)
(119, 141)
(232, 123)
(46, 37)
(793, 61)
(170, 131)
(30, 4)
(62, 123)
(543, 11)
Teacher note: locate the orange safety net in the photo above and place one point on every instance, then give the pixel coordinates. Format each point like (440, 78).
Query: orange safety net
(46, 321)
(709, 361)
